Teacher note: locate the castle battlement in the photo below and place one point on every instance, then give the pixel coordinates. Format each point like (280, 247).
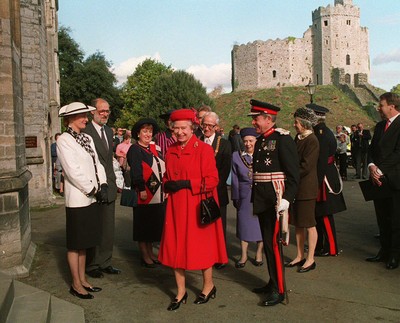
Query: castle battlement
(335, 40)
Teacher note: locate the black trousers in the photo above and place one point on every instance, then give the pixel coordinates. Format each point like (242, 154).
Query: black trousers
(100, 256)
(388, 217)
(270, 233)
(326, 230)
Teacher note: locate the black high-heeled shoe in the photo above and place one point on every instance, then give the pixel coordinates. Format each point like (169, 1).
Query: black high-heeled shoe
(201, 299)
(156, 261)
(258, 263)
(82, 296)
(145, 264)
(175, 303)
(239, 264)
(93, 289)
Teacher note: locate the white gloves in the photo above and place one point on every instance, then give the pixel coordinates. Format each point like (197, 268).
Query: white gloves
(283, 206)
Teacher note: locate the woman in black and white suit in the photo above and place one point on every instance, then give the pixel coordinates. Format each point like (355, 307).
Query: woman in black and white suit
(85, 184)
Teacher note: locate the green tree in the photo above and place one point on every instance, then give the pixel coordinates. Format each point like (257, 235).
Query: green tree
(136, 90)
(85, 79)
(396, 89)
(175, 91)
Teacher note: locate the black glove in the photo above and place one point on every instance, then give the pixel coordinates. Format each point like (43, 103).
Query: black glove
(102, 194)
(175, 186)
(236, 204)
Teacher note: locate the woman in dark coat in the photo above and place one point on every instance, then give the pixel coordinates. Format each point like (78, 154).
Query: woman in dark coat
(147, 170)
(186, 244)
(248, 226)
(304, 206)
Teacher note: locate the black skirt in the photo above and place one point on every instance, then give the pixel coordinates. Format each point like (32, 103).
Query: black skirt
(83, 227)
(148, 222)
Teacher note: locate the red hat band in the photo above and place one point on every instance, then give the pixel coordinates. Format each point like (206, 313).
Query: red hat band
(264, 110)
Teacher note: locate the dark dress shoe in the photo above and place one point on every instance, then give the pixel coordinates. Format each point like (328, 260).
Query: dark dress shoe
(219, 265)
(111, 270)
(273, 298)
(262, 290)
(380, 257)
(299, 263)
(156, 261)
(321, 253)
(308, 268)
(201, 299)
(239, 264)
(175, 303)
(95, 273)
(93, 289)
(393, 263)
(82, 296)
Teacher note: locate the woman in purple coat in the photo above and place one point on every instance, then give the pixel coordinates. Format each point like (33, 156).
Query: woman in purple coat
(248, 226)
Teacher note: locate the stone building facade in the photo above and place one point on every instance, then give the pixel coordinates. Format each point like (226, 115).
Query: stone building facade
(29, 100)
(335, 40)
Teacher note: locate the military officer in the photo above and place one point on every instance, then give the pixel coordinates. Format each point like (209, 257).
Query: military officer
(275, 181)
(330, 198)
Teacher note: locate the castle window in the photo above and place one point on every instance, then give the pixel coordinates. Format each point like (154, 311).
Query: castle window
(347, 79)
(326, 41)
(325, 23)
(347, 59)
(348, 22)
(274, 74)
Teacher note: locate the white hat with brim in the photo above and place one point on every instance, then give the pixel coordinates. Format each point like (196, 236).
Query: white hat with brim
(74, 108)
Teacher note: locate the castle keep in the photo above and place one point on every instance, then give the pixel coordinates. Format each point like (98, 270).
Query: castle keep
(333, 50)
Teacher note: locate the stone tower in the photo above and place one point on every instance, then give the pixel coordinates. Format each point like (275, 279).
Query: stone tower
(334, 49)
(339, 42)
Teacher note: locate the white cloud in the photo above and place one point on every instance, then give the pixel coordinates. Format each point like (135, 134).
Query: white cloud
(384, 58)
(210, 77)
(126, 68)
(385, 79)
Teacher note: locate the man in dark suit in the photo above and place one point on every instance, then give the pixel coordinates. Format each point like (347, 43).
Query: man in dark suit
(223, 158)
(361, 143)
(384, 168)
(99, 258)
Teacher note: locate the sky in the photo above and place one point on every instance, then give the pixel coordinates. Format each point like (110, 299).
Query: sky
(198, 35)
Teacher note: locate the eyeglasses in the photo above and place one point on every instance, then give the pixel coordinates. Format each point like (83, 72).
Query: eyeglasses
(104, 112)
(206, 125)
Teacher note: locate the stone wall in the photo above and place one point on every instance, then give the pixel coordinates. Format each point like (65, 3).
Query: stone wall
(15, 228)
(29, 99)
(40, 98)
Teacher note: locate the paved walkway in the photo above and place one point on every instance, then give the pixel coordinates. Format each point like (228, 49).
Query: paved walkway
(341, 289)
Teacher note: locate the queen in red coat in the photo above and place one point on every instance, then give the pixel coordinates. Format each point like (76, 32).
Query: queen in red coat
(185, 243)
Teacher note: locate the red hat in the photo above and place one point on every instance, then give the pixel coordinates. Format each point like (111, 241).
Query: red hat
(184, 114)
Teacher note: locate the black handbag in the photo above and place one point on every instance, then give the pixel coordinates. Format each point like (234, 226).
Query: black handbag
(209, 209)
(128, 198)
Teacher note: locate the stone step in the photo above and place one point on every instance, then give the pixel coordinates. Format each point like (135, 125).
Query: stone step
(23, 303)
(6, 296)
(64, 312)
(30, 304)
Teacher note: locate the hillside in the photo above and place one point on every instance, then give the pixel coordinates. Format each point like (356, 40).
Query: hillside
(233, 107)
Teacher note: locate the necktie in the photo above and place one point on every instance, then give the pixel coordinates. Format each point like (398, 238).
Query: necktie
(387, 125)
(103, 138)
(208, 141)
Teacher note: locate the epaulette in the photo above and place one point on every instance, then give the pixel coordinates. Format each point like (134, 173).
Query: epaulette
(282, 131)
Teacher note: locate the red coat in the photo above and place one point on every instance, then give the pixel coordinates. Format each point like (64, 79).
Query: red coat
(185, 243)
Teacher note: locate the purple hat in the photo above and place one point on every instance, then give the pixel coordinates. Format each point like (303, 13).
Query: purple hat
(250, 131)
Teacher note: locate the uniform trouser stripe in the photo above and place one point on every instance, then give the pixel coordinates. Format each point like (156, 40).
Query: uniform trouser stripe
(330, 235)
(278, 259)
